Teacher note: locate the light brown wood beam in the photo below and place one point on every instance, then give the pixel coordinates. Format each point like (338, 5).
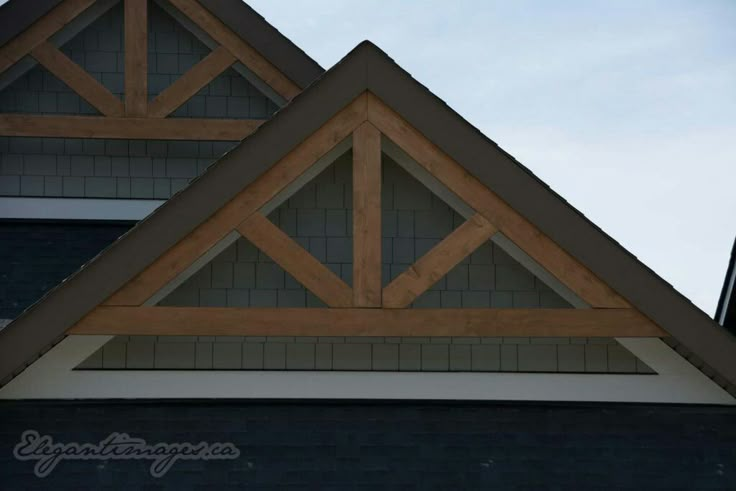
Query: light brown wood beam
(126, 128)
(252, 198)
(245, 53)
(367, 216)
(525, 235)
(79, 80)
(230, 321)
(296, 261)
(436, 263)
(190, 83)
(40, 31)
(136, 57)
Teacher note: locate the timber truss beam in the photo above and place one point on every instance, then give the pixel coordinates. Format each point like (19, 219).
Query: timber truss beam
(366, 308)
(232, 321)
(135, 117)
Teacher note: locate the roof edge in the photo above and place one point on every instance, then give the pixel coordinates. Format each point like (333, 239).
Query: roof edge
(289, 58)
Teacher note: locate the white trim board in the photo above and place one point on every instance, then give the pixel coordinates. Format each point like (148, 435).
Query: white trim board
(77, 208)
(53, 377)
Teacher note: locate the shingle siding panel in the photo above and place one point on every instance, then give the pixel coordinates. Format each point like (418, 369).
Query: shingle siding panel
(401, 445)
(25, 277)
(154, 176)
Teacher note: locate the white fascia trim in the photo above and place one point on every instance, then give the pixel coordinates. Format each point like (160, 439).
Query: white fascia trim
(53, 377)
(77, 208)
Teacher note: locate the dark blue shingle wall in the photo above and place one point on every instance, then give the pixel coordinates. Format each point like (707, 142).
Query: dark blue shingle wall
(37, 256)
(390, 445)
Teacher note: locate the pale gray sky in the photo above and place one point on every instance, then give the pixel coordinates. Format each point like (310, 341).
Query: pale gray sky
(625, 108)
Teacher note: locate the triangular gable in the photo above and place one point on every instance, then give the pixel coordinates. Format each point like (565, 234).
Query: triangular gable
(366, 95)
(113, 105)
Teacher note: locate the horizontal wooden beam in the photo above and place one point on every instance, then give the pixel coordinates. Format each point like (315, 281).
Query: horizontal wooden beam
(126, 128)
(78, 79)
(40, 31)
(296, 261)
(224, 321)
(436, 263)
(190, 83)
(245, 53)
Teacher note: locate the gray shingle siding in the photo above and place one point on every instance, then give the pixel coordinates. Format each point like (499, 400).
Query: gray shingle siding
(97, 49)
(40, 92)
(415, 220)
(173, 50)
(468, 354)
(91, 168)
(318, 216)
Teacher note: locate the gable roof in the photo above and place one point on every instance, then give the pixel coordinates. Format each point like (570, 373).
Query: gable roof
(17, 15)
(367, 68)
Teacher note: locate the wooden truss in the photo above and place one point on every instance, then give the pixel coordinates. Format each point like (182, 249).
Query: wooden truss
(135, 117)
(365, 308)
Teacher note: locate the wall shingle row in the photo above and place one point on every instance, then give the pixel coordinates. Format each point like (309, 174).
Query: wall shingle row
(90, 168)
(559, 355)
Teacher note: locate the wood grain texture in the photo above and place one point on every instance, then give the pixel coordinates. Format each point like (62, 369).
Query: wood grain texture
(190, 83)
(127, 128)
(367, 216)
(78, 79)
(436, 263)
(136, 57)
(525, 235)
(245, 53)
(245, 203)
(296, 261)
(230, 321)
(40, 31)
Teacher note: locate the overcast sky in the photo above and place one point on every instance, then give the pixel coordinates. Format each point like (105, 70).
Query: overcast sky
(627, 109)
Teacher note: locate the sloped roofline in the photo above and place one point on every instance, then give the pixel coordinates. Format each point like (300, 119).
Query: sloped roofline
(367, 68)
(726, 310)
(17, 15)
